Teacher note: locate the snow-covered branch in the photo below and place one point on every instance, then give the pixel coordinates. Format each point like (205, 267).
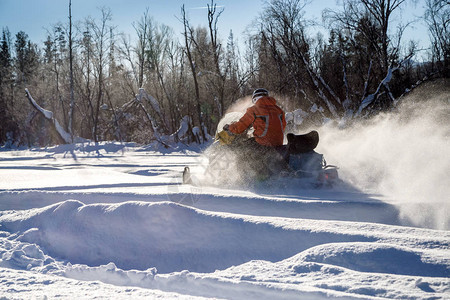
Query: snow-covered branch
(64, 135)
(385, 82)
(313, 77)
(153, 103)
(370, 98)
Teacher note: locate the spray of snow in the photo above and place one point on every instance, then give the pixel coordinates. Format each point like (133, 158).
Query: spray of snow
(240, 105)
(402, 155)
(219, 165)
(217, 162)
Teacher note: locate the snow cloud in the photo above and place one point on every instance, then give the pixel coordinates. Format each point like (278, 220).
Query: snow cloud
(403, 155)
(241, 105)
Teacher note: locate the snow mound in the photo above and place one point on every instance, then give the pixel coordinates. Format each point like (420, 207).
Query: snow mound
(378, 258)
(21, 256)
(111, 274)
(165, 235)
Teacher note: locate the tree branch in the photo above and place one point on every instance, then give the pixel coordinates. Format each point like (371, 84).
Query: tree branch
(65, 136)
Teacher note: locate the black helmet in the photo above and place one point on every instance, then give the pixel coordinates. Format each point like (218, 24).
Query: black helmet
(259, 93)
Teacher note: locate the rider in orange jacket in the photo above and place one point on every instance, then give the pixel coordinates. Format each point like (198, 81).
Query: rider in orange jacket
(266, 118)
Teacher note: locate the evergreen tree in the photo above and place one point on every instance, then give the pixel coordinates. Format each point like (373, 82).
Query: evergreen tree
(27, 58)
(7, 125)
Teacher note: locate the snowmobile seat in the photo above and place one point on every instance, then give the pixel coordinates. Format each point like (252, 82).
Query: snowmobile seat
(302, 143)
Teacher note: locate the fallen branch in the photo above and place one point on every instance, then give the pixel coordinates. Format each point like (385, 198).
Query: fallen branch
(154, 104)
(64, 135)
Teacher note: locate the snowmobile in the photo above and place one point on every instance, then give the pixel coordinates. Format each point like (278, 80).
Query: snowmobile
(232, 158)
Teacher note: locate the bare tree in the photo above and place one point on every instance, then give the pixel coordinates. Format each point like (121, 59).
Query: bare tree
(437, 16)
(143, 30)
(85, 75)
(367, 22)
(72, 95)
(379, 13)
(285, 43)
(101, 37)
(216, 49)
(189, 40)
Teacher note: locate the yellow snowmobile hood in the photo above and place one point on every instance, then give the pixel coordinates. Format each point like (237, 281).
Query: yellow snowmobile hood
(224, 137)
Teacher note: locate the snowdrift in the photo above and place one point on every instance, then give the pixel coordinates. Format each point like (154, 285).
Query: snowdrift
(132, 243)
(165, 235)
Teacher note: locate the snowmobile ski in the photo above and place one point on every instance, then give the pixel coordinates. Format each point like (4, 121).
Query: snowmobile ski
(187, 176)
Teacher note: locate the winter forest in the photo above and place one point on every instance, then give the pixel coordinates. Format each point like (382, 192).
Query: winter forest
(89, 81)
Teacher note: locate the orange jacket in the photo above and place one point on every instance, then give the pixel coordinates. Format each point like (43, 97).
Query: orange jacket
(267, 119)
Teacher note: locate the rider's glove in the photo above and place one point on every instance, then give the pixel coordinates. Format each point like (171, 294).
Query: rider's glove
(227, 128)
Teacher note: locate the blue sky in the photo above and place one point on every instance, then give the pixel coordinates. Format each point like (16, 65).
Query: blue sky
(34, 16)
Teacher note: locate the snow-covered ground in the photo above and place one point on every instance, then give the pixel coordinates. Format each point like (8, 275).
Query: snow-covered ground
(114, 221)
